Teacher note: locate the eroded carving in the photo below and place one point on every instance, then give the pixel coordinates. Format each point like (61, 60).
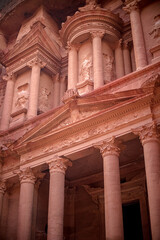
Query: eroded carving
(22, 96)
(86, 69)
(44, 103)
(155, 33)
(108, 147)
(90, 5)
(26, 175)
(108, 68)
(2, 186)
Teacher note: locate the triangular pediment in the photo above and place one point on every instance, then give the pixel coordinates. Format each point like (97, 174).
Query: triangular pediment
(37, 36)
(78, 111)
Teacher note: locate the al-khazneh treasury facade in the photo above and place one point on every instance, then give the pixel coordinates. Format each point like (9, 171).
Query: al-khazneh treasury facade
(80, 120)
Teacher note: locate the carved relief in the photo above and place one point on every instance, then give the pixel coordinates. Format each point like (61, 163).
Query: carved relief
(155, 33)
(44, 103)
(108, 68)
(86, 69)
(90, 5)
(22, 97)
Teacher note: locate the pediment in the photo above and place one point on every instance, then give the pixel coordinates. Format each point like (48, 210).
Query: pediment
(36, 36)
(79, 111)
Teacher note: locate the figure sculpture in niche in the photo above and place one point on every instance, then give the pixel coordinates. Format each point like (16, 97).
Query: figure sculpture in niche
(108, 68)
(22, 97)
(86, 69)
(44, 99)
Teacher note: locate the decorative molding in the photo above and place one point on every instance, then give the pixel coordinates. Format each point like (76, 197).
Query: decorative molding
(36, 62)
(26, 176)
(2, 187)
(59, 165)
(147, 133)
(134, 5)
(108, 147)
(98, 33)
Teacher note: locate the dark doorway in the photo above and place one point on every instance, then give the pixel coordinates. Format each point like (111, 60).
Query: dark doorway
(132, 221)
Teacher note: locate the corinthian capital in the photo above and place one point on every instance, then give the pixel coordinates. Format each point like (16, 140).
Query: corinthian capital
(26, 175)
(36, 62)
(134, 5)
(98, 33)
(147, 133)
(9, 76)
(108, 147)
(71, 46)
(59, 165)
(2, 186)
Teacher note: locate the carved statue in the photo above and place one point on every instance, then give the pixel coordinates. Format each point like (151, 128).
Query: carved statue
(86, 69)
(22, 98)
(90, 5)
(44, 99)
(108, 67)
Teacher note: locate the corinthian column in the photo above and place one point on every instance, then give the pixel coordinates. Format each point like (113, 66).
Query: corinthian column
(119, 60)
(72, 66)
(112, 190)
(137, 34)
(8, 100)
(36, 66)
(56, 198)
(151, 147)
(2, 191)
(27, 181)
(62, 87)
(97, 58)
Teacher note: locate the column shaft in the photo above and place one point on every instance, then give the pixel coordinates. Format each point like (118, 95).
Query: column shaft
(3, 44)
(112, 193)
(152, 167)
(62, 87)
(127, 59)
(72, 67)
(97, 59)
(137, 35)
(2, 191)
(25, 205)
(56, 99)
(56, 206)
(7, 105)
(119, 60)
(34, 91)
(56, 199)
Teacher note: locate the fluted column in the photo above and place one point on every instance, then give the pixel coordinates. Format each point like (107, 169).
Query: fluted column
(36, 65)
(8, 100)
(119, 60)
(112, 190)
(127, 58)
(27, 181)
(2, 191)
(72, 66)
(56, 90)
(137, 34)
(56, 198)
(151, 147)
(97, 58)
(62, 87)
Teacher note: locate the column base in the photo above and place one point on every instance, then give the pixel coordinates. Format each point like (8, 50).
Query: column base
(85, 87)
